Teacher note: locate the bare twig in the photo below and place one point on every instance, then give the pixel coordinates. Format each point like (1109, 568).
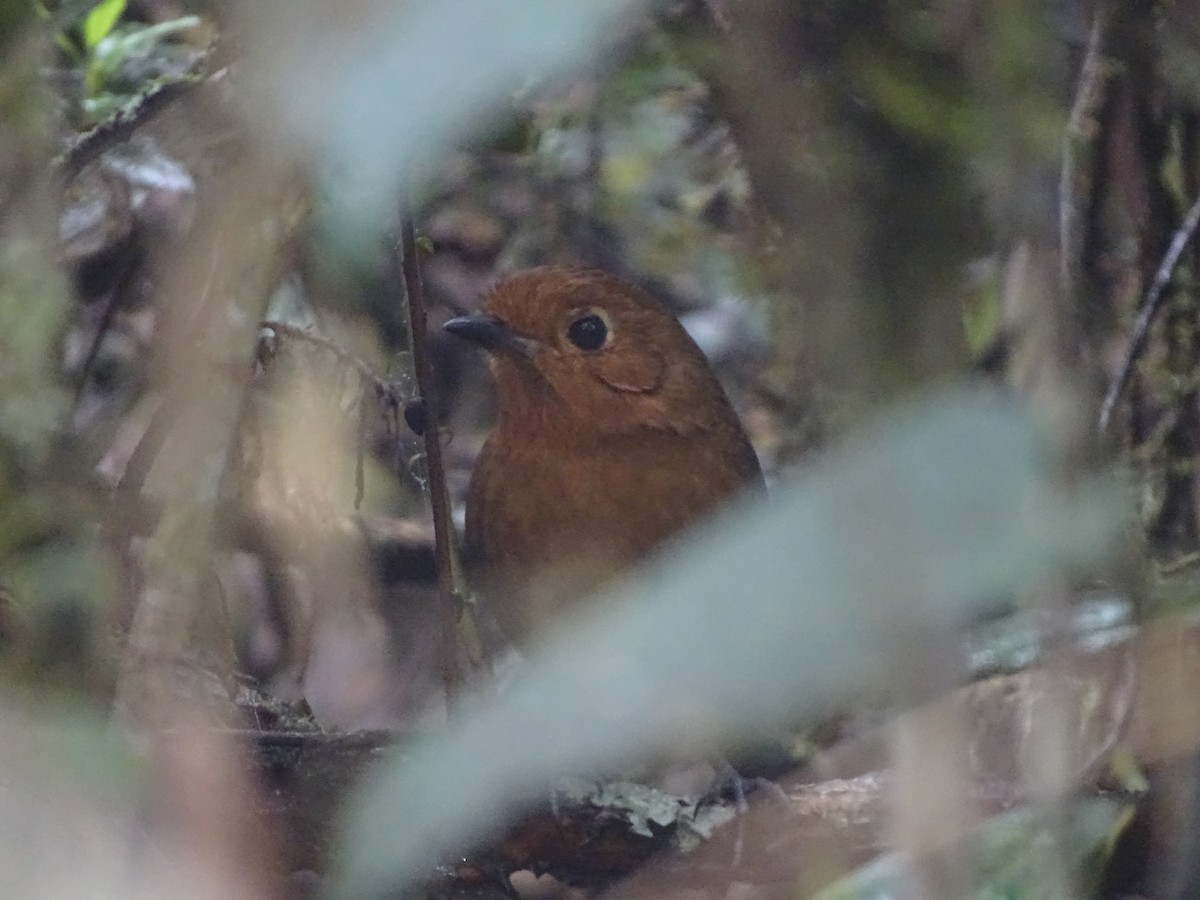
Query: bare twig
(1150, 307)
(449, 596)
(389, 394)
(112, 304)
(296, 333)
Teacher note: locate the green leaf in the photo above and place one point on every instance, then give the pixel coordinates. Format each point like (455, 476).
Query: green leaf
(114, 49)
(100, 21)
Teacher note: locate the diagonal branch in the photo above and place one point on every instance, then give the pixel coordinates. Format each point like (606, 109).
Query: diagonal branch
(1149, 310)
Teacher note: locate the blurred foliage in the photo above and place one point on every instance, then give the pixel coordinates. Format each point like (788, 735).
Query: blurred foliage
(1014, 856)
(669, 667)
(866, 181)
(106, 86)
(57, 579)
(15, 15)
(118, 60)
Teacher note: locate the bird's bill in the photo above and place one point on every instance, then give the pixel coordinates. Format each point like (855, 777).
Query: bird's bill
(491, 334)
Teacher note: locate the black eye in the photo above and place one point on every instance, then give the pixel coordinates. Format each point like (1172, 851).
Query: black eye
(588, 332)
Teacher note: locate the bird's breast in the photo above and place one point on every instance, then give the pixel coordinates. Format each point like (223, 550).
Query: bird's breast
(550, 524)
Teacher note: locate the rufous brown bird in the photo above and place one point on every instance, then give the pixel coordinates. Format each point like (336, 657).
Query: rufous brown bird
(612, 434)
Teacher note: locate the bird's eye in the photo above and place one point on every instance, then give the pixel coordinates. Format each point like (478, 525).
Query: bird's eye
(588, 332)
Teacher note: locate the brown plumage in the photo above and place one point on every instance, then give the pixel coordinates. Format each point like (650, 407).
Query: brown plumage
(612, 434)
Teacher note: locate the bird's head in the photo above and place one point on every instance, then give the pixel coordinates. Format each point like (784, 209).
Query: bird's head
(581, 348)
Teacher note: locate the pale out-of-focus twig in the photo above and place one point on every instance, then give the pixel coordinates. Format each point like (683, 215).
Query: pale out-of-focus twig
(174, 659)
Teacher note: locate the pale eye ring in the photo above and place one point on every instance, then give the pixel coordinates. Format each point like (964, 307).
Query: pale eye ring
(589, 331)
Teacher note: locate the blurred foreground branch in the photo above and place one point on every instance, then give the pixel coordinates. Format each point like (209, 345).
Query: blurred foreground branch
(179, 647)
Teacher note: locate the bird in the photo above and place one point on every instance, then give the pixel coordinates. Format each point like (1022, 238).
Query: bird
(612, 435)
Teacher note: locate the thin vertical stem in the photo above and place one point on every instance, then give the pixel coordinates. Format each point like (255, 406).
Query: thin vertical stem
(449, 598)
(1076, 187)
